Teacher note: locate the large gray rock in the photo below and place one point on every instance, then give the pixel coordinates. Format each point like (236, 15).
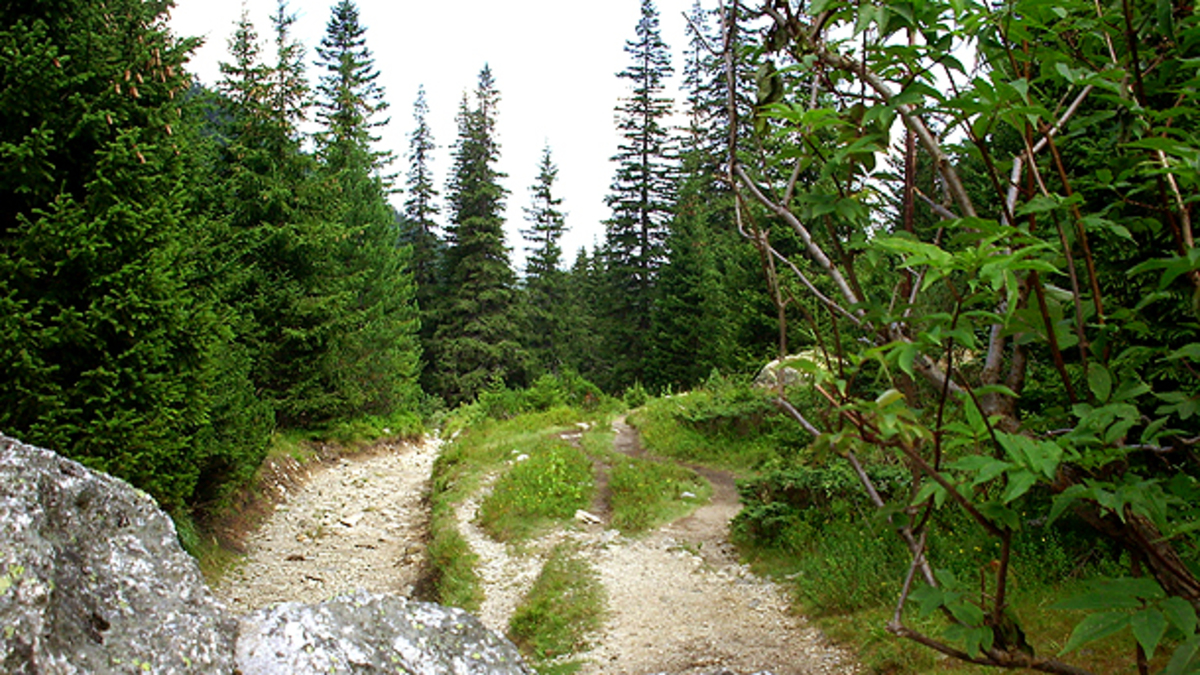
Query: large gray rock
(92, 577)
(371, 633)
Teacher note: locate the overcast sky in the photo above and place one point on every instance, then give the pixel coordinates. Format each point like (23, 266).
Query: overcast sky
(555, 64)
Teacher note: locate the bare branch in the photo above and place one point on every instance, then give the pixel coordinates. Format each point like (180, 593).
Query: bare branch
(814, 250)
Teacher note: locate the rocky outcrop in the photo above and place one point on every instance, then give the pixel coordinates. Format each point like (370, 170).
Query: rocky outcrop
(371, 633)
(93, 580)
(92, 577)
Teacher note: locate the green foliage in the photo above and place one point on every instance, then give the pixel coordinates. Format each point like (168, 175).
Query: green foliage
(1017, 345)
(546, 392)
(727, 422)
(563, 608)
(641, 197)
(547, 309)
(481, 445)
(109, 336)
(476, 337)
(785, 509)
(646, 493)
(636, 395)
(548, 481)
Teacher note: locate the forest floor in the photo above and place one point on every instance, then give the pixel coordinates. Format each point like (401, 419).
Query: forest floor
(678, 599)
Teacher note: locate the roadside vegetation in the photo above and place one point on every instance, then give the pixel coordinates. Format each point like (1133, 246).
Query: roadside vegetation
(807, 522)
(565, 606)
(514, 435)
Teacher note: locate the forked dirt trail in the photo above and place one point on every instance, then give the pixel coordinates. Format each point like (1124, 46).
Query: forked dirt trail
(679, 602)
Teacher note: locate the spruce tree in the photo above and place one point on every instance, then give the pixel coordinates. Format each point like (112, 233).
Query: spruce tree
(282, 234)
(374, 356)
(710, 310)
(545, 291)
(419, 230)
(641, 200)
(477, 331)
(584, 291)
(105, 351)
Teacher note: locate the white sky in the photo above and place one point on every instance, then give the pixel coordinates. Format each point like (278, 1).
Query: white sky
(555, 64)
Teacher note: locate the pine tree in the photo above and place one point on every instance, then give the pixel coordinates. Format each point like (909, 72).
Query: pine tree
(419, 230)
(710, 310)
(350, 96)
(641, 200)
(374, 356)
(105, 351)
(544, 280)
(477, 333)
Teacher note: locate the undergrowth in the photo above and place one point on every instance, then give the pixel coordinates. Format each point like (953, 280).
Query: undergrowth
(727, 423)
(563, 608)
(807, 522)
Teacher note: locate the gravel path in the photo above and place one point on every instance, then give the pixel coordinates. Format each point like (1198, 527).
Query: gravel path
(679, 601)
(354, 523)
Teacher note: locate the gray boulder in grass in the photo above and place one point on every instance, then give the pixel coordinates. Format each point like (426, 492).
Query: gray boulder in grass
(92, 577)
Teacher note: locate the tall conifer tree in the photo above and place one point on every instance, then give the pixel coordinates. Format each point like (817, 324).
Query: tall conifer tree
(373, 360)
(419, 230)
(545, 281)
(104, 348)
(477, 329)
(641, 199)
(282, 234)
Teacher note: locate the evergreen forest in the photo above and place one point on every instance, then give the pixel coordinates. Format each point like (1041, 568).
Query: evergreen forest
(962, 231)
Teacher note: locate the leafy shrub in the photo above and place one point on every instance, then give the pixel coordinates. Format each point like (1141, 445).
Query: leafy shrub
(729, 422)
(548, 391)
(636, 395)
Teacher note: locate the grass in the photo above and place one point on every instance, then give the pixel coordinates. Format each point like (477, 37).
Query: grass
(731, 427)
(563, 608)
(646, 494)
(479, 446)
(547, 481)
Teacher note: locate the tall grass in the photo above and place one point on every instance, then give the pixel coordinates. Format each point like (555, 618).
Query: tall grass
(646, 494)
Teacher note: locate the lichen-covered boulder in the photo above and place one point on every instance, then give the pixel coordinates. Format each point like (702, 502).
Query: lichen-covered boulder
(371, 633)
(92, 577)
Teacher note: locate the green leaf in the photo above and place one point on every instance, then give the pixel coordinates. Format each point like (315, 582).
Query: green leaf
(928, 599)
(931, 489)
(1148, 626)
(1189, 351)
(1095, 627)
(1000, 514)
(1100, 382)
(1179, 613)
(906, 354)
(1019, 482)
(966, 612)
(1186, 659)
